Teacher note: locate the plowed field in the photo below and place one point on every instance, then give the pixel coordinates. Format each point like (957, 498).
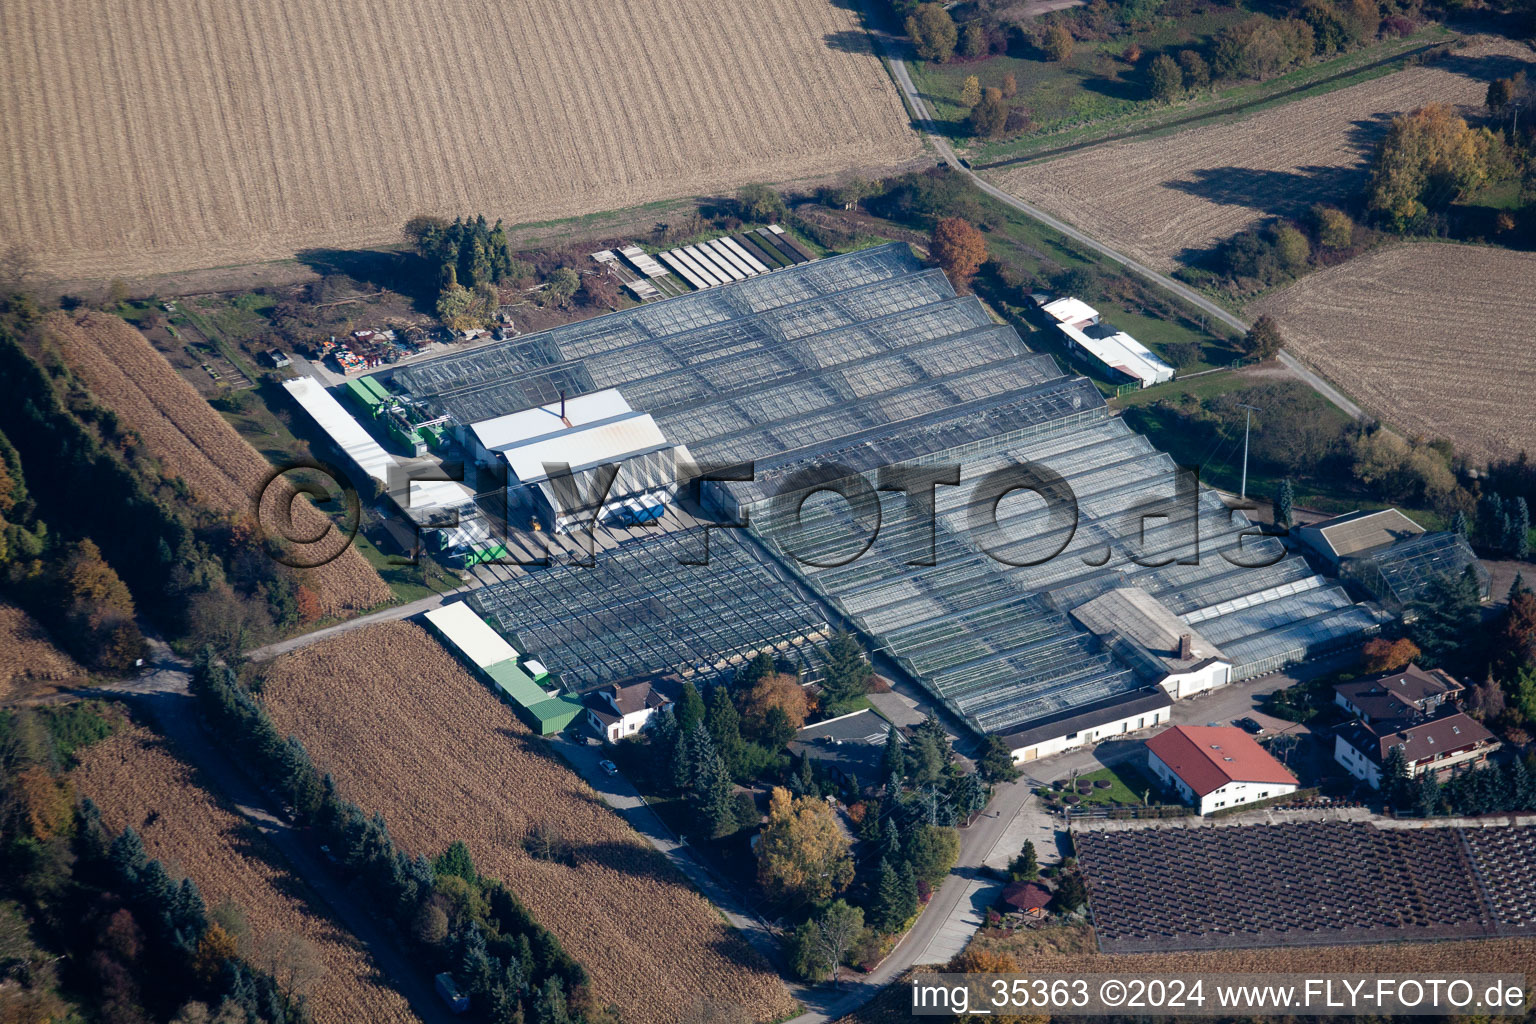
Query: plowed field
(1433, 338)
(408, 733)
(1156, 198)
(154, 135)
(137, 781)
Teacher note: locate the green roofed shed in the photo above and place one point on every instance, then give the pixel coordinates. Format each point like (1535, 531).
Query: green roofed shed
(378, 390)
(552, 715)
(363, 397)
(516, 684)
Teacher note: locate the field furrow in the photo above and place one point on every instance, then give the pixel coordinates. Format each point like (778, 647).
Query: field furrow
(137, 781)
(174, 134)
(194, 442)
(1433, 338)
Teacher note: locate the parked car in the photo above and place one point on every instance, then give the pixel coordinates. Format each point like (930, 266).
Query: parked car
(609, 767)
(1249, 725)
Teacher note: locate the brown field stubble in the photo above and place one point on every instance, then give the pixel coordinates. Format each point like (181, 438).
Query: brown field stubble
(137, 781)
(408, 733)
(1155, 198)
(193, 442)
(158, 135)
(1433, 338)
(28, 657)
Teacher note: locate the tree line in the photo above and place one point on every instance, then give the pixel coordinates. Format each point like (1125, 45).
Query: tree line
(93, 928)
(94, 532)
(458, 920)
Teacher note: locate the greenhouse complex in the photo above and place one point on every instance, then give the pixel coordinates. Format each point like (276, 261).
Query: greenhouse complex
(826, 372)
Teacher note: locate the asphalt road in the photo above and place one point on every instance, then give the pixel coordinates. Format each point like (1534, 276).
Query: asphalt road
(893, 48)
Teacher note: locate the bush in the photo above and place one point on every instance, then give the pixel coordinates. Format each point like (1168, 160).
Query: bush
(1057, 43)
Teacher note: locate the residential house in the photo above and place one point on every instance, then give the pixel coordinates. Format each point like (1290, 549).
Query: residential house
(1406, 694)
(1215, 767)
(615, 712)
(1415, 711)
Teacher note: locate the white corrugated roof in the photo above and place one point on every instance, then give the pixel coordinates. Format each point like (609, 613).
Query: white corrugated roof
(440, 494)
(521, 427)
(1122, 352)
(366, 453)
(612, 440)
(1070, 311)
(467, 631)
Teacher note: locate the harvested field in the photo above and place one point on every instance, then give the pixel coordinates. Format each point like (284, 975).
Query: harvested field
(194, 442)
(1393, 329)
(137, 781)
(29, 657)
(230, 133)
(1161, 199)
(408, 733)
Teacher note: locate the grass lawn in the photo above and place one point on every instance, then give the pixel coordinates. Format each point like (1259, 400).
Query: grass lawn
(1126, 786)
(1096, 93)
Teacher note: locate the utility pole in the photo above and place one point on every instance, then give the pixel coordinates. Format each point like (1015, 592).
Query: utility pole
(1251, 410)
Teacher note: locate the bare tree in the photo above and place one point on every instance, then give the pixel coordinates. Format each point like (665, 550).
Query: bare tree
(293, 962)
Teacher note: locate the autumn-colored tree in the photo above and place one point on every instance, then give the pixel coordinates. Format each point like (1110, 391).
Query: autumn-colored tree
(1335, 229)
(1010, 86)
(1514, 639)
(47, 805)
(1057, 43)
(959, 249)
(1429, 159)
(988, 117)
(803, 853)
(213, 949)
(90, 579)
(1263, 340)
(933, 32)
(983, 961)
(1197, 73)
(970, 93)
(775, 690)
(1383, 655)
(308, 603)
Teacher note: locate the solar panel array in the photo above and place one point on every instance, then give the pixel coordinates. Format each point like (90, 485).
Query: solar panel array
(866, 360)
(1305, 884)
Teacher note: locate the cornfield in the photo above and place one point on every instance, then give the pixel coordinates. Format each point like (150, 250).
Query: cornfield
(408, 733)
(28, 656)
(231, 133)
(137, 781)
(193, 442)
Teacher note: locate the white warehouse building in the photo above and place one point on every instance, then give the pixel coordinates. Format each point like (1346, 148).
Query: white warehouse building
(586, 434)
(1116, 350)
